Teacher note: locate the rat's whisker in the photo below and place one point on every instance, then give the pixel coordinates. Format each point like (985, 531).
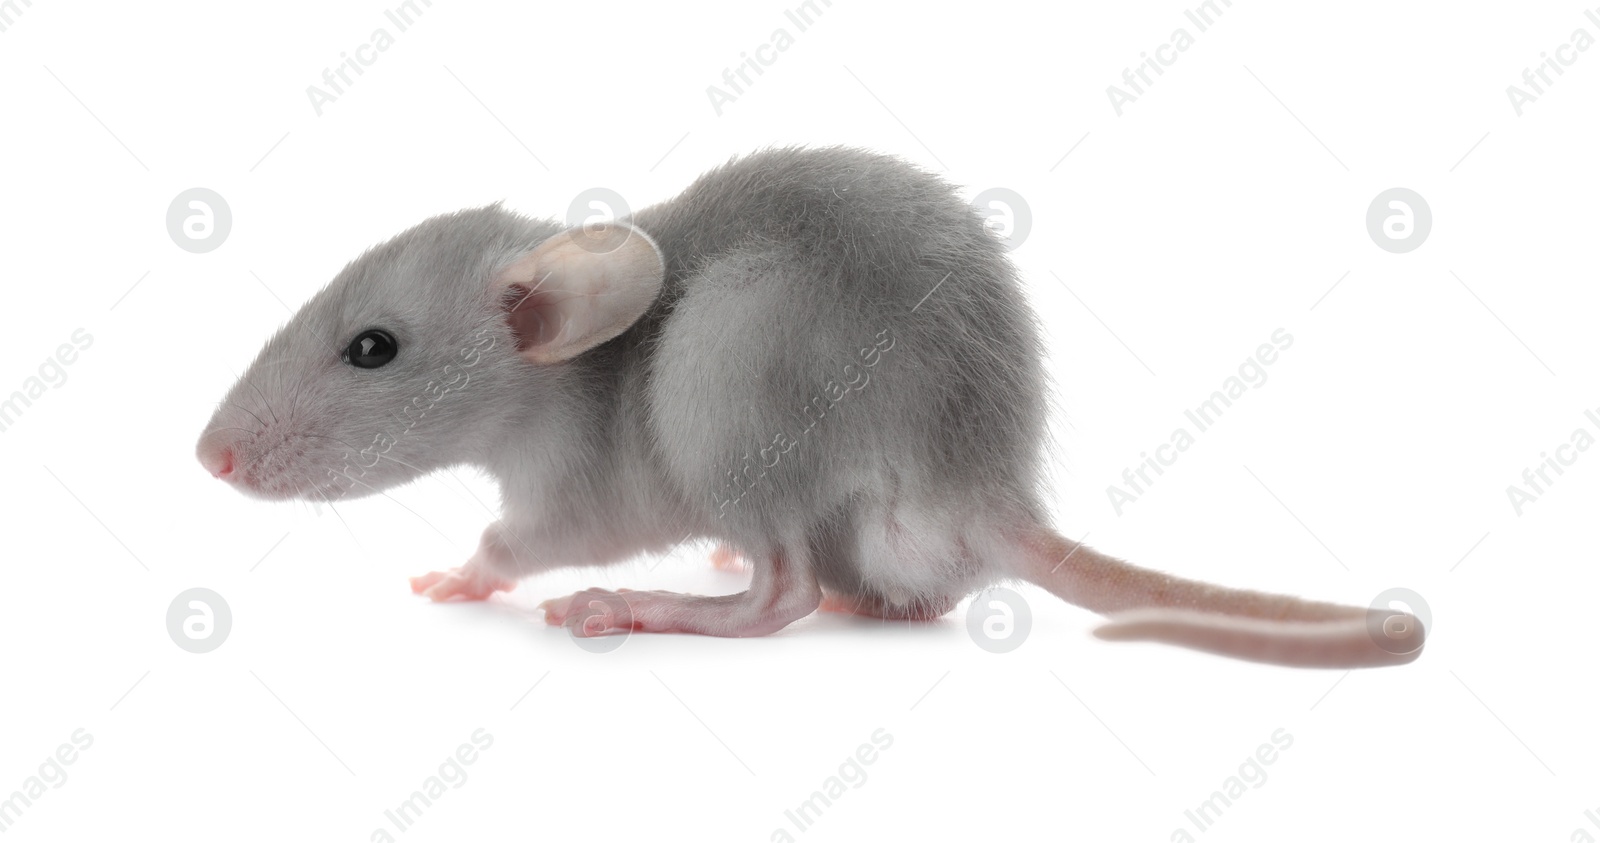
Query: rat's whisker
(245, 409)
(346, 524)
(406, 508)
(264, 401)
(353, 449)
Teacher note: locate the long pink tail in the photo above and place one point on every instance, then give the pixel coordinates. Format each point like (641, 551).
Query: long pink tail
(1145, 605)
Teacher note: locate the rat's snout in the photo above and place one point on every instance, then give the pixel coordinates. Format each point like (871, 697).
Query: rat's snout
(216, 455)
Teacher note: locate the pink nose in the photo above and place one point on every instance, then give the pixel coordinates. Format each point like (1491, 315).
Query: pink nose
(217, 459)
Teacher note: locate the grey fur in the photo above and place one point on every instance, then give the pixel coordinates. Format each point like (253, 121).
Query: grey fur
(781, 267)
(835, 278)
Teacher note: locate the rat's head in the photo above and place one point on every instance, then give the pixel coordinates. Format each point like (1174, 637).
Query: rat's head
(424, 349)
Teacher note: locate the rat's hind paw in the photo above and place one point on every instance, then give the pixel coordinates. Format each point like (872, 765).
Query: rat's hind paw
(769, 606)
(590, 612)
(467, 582)
(926, 609)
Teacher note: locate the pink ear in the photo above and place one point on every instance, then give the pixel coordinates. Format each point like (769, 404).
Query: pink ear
(534, 321)
(579, 289)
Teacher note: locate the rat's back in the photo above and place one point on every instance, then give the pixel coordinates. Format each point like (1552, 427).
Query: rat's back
(842, 348)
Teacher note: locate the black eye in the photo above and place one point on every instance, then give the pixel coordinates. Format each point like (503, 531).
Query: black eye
(371, 348)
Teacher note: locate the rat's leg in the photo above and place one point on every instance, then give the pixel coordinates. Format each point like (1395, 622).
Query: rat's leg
(781, 592)
(873, 606)
(476, 580)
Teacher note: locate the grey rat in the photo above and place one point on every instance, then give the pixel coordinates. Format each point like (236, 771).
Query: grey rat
(821, 359)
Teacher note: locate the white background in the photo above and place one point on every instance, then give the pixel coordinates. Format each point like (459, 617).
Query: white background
(1223, 204)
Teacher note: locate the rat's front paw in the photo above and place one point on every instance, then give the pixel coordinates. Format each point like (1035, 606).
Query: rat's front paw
(467, 582)
(591, 612)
